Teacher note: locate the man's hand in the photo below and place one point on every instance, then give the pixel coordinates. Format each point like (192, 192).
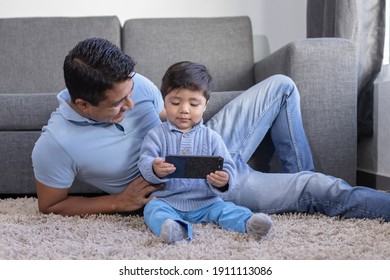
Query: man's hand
(57, 201)
(136, 195)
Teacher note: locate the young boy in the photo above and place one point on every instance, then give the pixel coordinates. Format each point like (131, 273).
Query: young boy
(186, 89)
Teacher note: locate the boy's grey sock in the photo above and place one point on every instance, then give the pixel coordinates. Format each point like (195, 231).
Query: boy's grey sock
(259, 224)
(172, 231)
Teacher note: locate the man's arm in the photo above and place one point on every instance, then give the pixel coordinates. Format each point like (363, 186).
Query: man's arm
(57, 201)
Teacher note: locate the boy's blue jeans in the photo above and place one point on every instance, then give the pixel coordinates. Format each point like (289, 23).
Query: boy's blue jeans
(225, 214)
(274, 104)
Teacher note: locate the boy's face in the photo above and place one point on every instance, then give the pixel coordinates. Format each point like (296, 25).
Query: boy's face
(185, 108)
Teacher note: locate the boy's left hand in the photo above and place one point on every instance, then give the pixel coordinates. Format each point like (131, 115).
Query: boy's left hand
(218, 179)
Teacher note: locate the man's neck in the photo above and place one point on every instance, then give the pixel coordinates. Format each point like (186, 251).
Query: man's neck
(76, 109)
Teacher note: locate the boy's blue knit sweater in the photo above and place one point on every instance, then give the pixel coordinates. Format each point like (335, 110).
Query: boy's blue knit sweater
(184, 194)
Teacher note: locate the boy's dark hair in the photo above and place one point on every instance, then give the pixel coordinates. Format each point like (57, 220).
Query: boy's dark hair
(187, 75)
(94, 66)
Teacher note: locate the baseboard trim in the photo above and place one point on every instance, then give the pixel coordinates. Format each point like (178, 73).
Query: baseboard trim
(371, 180)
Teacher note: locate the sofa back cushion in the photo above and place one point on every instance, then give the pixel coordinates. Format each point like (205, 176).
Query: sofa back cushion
(224, 45)
(32, 50)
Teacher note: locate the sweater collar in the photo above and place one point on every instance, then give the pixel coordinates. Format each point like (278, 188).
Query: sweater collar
(173, 127)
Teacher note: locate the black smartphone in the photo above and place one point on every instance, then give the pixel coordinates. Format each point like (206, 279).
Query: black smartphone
(196, 167)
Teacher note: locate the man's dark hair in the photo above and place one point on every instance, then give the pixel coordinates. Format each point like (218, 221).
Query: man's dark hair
(187, 75)
(94, 66)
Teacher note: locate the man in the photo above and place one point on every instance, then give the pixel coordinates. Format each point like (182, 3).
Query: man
(89, 136)
(107, 109)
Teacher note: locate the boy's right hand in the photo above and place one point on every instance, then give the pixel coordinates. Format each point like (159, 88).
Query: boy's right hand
(162, 168)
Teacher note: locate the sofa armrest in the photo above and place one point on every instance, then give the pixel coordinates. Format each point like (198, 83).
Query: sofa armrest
(325, 72)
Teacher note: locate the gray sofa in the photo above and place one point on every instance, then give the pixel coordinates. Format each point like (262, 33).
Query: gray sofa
(32, 52)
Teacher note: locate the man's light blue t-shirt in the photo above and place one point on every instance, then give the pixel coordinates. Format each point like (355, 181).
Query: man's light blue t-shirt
(103, 155)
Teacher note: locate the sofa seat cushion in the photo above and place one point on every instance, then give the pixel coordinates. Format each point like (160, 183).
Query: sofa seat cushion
(26, 111)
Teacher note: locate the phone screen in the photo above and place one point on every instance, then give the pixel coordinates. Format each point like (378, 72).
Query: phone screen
(197, 167)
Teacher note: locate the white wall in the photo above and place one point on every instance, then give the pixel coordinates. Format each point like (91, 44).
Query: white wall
(374, 153)
(281, 21)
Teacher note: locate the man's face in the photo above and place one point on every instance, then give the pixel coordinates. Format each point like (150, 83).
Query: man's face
(113, 108)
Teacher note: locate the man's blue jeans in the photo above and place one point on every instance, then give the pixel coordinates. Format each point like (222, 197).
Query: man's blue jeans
(274, 105)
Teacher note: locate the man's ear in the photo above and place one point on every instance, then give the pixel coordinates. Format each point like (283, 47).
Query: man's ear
(82, 104)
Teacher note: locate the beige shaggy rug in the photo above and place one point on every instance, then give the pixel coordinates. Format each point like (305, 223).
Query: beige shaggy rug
(26, 234)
